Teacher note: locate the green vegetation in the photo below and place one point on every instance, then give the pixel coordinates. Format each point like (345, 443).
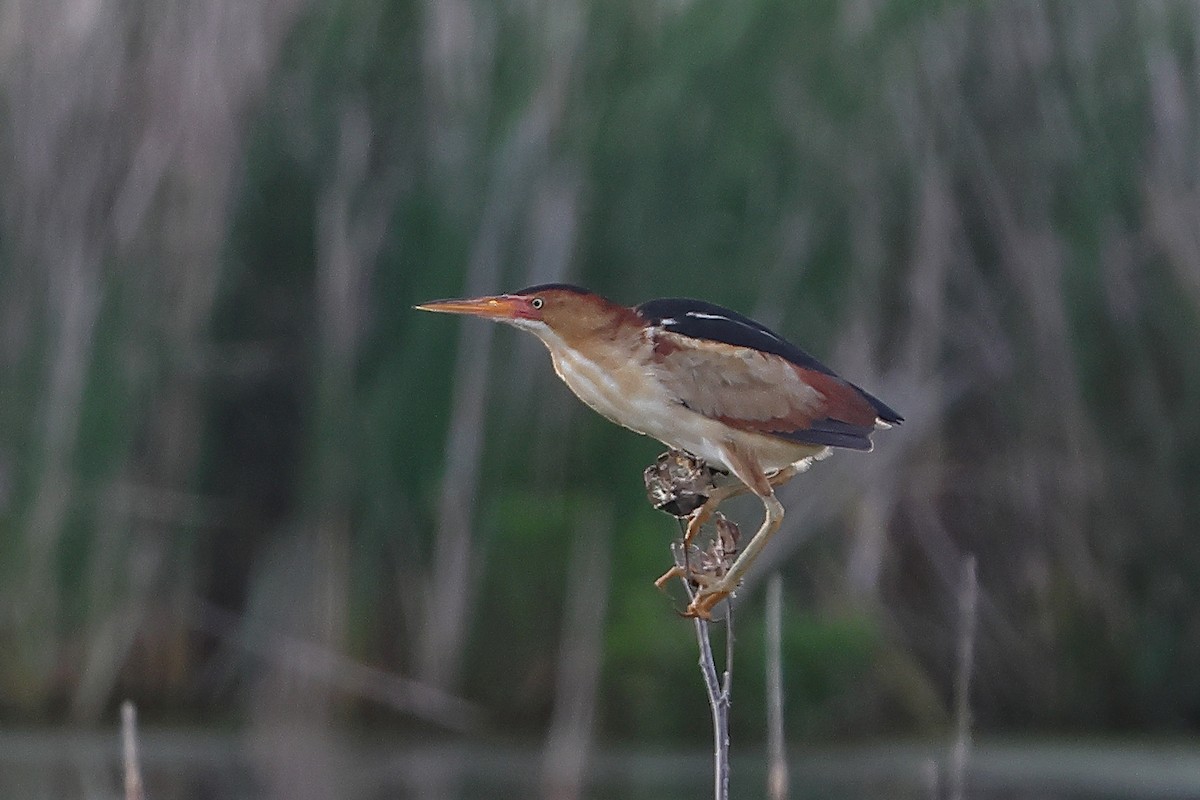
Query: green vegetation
(214, 388)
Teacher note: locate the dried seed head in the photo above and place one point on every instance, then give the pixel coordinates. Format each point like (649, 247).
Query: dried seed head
(679, 483)
(725, 545)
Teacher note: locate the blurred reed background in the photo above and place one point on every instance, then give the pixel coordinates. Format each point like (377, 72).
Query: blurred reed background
(241, 481)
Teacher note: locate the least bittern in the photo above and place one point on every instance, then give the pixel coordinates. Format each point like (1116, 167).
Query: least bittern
(698, 378)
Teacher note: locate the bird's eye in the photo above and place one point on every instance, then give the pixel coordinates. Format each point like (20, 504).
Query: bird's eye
(537, 303)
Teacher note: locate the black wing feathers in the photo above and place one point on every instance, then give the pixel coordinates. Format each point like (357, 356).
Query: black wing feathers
(831, 433)
(885, 412)
(701, 320)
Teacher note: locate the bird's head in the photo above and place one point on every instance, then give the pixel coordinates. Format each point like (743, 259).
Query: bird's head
(552, 310)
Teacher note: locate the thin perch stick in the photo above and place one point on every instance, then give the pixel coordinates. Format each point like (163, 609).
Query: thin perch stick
(718, 694)
(683, 486)
(968, 597)
(777, 769)
(133, 771)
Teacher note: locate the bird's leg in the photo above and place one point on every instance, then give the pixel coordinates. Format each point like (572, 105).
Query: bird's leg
(708, 596)
(781, 476)
(674, 572)
(696, 521)
(747, 469)
(704, 512)
(719, 495)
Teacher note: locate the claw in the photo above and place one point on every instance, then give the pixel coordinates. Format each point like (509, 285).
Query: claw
(674, 572)
(718, 570)
(702, 606)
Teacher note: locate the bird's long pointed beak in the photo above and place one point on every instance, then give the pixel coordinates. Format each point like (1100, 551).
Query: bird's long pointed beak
(498, 307)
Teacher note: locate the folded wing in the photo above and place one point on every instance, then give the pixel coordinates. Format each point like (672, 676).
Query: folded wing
(728, 367)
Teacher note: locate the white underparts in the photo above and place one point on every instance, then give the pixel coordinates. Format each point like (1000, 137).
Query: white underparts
(611, 382)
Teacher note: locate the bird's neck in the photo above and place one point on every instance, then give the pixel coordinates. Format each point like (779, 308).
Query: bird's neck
(604, 371)
(594, 331)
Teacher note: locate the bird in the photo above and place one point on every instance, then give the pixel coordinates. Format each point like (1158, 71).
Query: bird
(702, 379)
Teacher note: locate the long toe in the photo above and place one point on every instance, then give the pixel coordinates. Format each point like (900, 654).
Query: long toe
(704, 603)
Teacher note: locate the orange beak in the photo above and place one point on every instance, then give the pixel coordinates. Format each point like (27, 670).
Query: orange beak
(500, 307)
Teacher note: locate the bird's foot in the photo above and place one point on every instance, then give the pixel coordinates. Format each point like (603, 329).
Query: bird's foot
(674, 572)
(705, 601)
(705, 571)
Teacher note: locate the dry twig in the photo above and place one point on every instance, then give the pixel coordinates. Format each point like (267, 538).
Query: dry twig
(968, 596)
(777, 769)
(718, 691)
(678, 484)
(133, 770)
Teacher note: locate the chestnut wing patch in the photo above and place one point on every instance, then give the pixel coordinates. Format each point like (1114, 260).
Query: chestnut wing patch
(701, 321)
(762, 392)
